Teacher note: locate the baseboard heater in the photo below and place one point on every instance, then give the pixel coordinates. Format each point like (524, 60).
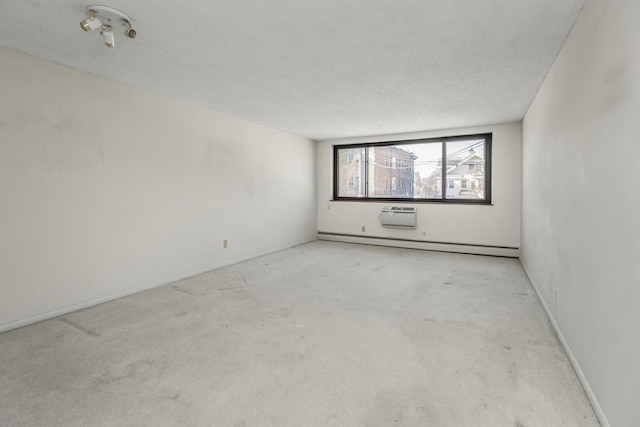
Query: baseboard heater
(461, 248)
(398, 217)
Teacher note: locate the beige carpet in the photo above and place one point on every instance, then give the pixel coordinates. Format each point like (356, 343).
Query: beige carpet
(320, 334)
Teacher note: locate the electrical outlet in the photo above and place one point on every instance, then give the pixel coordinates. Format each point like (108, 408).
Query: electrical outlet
(557, 295)
(224, 243)
(363, 228)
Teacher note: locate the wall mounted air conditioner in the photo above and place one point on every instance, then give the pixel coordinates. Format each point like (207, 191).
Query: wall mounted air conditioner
(398, 217)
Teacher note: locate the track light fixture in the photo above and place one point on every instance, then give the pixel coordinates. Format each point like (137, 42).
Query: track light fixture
(108, 18)
(107, 34)
(128, 31)
(91, 23)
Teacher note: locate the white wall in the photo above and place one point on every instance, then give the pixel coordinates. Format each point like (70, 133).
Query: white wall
(495, 225)
(581, 202)
(106, 189)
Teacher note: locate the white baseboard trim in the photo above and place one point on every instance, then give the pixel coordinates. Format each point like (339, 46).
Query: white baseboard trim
(69, 309)
(501, 251)
(572, 359)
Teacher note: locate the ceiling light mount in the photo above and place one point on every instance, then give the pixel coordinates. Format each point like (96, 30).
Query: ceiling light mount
(108, 19)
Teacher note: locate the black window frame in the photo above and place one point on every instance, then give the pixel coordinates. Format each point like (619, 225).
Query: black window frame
(364, 181)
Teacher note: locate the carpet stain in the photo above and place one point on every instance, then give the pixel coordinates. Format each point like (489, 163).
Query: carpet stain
(232, 288)
(139, 370)
(181, 314)
(79, 327)
(175, 288)
(513, 373)
(216, 281)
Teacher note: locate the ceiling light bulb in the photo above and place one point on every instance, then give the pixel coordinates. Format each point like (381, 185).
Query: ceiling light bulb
(107, 34)
(91, 24)
(128, 31)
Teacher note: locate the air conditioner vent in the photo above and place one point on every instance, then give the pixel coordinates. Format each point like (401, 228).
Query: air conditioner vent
(398, 217)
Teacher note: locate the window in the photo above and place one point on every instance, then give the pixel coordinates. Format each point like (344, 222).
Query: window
(452, 170)
(352, 171)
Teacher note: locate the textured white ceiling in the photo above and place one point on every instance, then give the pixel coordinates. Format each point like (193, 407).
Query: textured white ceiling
(321, 69)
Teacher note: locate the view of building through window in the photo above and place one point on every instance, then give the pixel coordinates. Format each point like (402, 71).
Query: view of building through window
(416, 170)
(466, 168)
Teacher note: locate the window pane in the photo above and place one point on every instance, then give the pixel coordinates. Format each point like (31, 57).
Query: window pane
(389, 166)
(466, 169)
(427, 170)
(406, 171)
(351, 172)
